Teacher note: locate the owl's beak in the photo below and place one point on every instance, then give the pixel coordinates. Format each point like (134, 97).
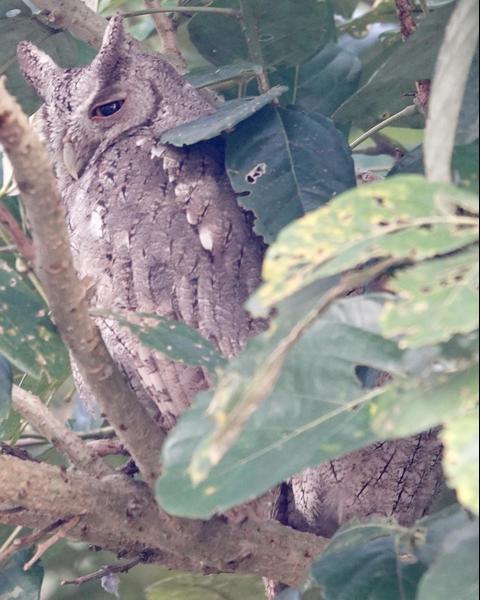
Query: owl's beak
(71, 160)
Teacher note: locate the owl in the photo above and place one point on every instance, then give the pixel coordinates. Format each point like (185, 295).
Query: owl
(157, 229)
(153, 228)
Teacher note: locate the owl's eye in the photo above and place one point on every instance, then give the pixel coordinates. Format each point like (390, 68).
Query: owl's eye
(101, 111)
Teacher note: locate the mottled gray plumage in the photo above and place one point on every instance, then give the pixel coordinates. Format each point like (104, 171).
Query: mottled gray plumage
(157, 229)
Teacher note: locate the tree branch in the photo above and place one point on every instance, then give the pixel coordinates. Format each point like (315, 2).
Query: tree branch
(448, 88)
(74, 15)
(117, 515)
(167, 32)
(66, 441)
(66, 294)
(15, 234)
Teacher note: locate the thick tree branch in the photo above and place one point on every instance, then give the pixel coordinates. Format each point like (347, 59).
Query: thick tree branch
(117, 515)
(66, 294)
(66, 441)
(74, 15)
(448, 88)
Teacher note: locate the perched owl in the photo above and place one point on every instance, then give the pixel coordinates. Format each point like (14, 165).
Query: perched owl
(157, 229)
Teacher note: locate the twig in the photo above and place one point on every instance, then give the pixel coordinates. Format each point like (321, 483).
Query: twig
(28, 540)
(14, 232)
(407, 22)
(104, 571)
(226, 12)
(51, 541)
(405, 112)
(33, 439)
(167, 32)
(448, 88)
(250, 30)
(65, 440)
(107, 448)
(66, 294)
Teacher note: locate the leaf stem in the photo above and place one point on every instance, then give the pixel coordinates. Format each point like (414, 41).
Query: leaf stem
(226, 12)
(250, 30)
(410, 110)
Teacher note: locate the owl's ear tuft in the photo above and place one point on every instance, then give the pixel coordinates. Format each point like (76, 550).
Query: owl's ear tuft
(37, 68)
(115, 45)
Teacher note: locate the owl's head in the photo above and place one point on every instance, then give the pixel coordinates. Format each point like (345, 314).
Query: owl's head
(124, 90)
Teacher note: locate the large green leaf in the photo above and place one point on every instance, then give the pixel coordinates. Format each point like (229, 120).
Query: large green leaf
(284, 31)
(192, 586)
(27, 336)
(384, 93)
(404, 217)
(436, 299)
(172, 338)
(286, 162)
(225, 117)
(323, 83)
(5, 392)
(465, 165)
(318, 409)
(15, 583)
(17, 24)
(379, 560)
(368, 562)
(454, 573)
(461, 462)
(416, 404)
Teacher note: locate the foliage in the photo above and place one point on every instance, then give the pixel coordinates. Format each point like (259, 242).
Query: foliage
(294, 398)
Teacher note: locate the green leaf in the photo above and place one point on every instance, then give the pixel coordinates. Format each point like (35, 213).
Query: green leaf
(15, 583)
(60, 45)
(287, 32)
(213, 76)
(284, 163)
(454, 573)
(27, 336)
(461, 462)
(379, 560)
(436, 299)
(225, 117)
(188, 586)
(465, 166)
(384, 93)
(371, 561)
(403, 217)
(5, 392)
(170, 337)
(413, 405)
(318, 409)
(324, 82)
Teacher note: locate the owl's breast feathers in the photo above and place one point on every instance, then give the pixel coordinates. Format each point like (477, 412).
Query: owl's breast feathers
(158, 230)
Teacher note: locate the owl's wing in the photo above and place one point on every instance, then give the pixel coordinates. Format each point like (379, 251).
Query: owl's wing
(158, 230)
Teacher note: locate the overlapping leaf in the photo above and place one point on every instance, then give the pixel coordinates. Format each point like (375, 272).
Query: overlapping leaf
(436, 299)
(27, 336)
(187, 586)
(287, 32)
(225, 117)
(172, 338)
(404, 217)
(385, 92)
(17, 583)
(378, 560)
(284, 163)
(461, 462)
(318, 409)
